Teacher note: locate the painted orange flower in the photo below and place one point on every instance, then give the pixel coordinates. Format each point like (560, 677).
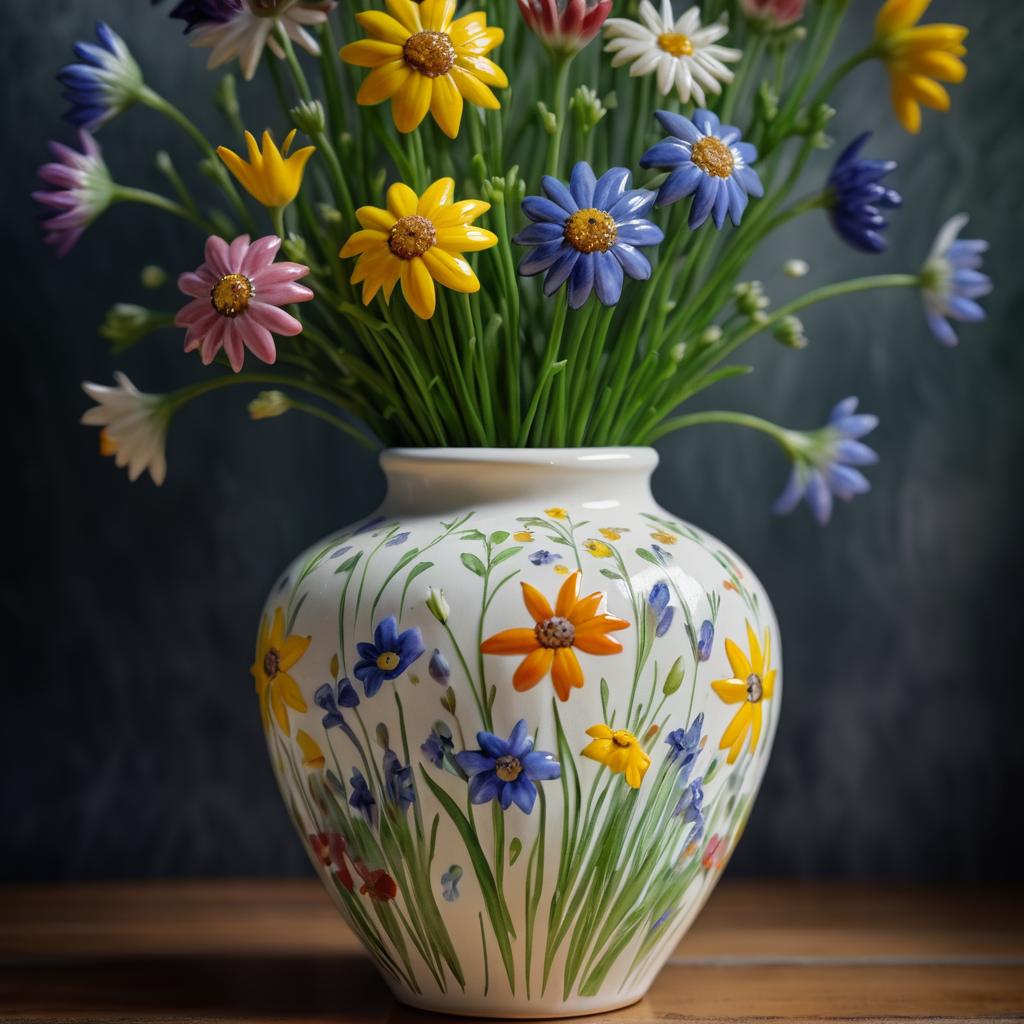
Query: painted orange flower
(548, 644)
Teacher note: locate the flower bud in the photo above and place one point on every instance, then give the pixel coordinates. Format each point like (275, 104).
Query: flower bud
(565, 26)
(710, 335)
(437, 605)
(226, 98)
(127, 324)
(674, 679)
(153, 277)
(439, 669)
(268, 404)
(790, 332)
(309, 117)
(587, 108)
(383, 737)
(796, 268)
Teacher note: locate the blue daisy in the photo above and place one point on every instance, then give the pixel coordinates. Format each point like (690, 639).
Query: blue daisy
(390, 654)
(856, 198)
(589, 234)
(106, 82)
(952, 280)
(707, 160)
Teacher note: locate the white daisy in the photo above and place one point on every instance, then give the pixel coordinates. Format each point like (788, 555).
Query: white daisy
(682, 52)
(254, 27)
(134, 426)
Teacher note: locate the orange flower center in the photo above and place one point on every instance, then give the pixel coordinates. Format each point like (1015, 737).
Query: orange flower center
(713, 157)
(411, 236)
(231, 294)
(623, 739)
(591, 230)
(676, 44)
(429, 53)
(271, 663)
(508, 768)
(388, 661)
(755, 688)
(555, 632)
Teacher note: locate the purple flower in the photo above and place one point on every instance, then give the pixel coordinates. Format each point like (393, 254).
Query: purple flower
(542, 557)
(438, 746)
(439, 669)
(684, 746)
(331, 699)
(663, 612)
(856, 198)
(390, 654)
(706, 640)
(589, 234)
(399, 538)
(661, 554)
(362, 799)
(707, 160)
(338, 552)
(199, 12)
(105, 82)
(952, 281)
(507, 770)
(450, 883)
(398, 782)
(691, 809)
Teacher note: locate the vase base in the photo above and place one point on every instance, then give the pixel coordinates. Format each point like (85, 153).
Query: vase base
(461, 1005)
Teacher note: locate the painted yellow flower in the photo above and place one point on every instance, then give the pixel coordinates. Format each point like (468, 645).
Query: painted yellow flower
(562, 570)
(418, 240)
(276, 654)
(612, 533)
(523, 536)
(271, 177)
(312, 755)
(753, 683)
(556, 513)
(618, 750)
(918, 57)
(664, 538)
(597, 548)
(422, 60)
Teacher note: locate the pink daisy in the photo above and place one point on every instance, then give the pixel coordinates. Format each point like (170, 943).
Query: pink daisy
(236, 298)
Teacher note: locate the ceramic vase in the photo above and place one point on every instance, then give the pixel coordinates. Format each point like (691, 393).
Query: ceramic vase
(519, 717)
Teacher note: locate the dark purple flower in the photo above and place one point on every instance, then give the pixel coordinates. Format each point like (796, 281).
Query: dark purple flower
(684, 746)
(439, 669)
(438, 746)
(691, 809)
(362, 799)
(199, 12)
(398, 781)
(856, 197)
(390, 654)
(331, 699)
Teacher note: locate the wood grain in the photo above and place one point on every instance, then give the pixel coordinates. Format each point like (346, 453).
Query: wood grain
(277, 952)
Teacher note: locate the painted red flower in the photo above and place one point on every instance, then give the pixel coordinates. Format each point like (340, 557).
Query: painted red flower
(330, 849)
(377, 883)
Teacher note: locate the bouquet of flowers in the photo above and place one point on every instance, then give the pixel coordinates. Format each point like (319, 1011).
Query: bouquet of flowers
(505, 227)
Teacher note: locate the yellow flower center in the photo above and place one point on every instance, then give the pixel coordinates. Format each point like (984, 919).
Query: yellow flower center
(388, 661)
(271, 663)
(411, 236)
(231, 294)
(676, 44)
(591, 230)
(508, 768)
(555, 632)
(713, 157)
(430, 53)
(755, 688)
(623, 739)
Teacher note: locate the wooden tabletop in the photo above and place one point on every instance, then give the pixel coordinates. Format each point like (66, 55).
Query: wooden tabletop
(277, 952)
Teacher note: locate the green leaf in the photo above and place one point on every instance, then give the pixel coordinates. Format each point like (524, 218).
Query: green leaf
(349, 563)
(515, 848)
(648, 556)
(473, 564)
(504, 556)
(611, 574)
(604, 697)
(500, 536)
(417, 570)
(472, 535)
(674, 679)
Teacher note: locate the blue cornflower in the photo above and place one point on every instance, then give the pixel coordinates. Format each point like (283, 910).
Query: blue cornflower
(450, 883)
(691, 809)
(705, 640)
(398, 782)
(707, 160)
(439, 669)
(507, 770)
(685, 745)
(106, 82)
(362, 799)
(438, 746)
(542, 557)
(952, 281)
(332, 699)
(589, 234)
(856, 197)
(390, 654)
(200, 12)
(658, 600)
(825, 461)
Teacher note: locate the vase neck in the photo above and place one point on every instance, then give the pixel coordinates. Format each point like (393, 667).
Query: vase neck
(436, 480)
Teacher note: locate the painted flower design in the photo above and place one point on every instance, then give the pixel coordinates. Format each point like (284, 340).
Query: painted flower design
(361, 799)
(507, 770)
(684, 746)
(276, 655)
(424, 61)
(377, 883)
(237, 294)
(330, 850)
(619, 751)
(661, 611)
(690, 808)
(332, 698)
(952, 280)
(438, 668)
(450, 883)
(439, 748)
(565, 26)
(106, 81)
(856, 198)
(390, 654)
(707, 160)
(312, 755)
(270, 175)
(597, 548)
(418, 240)
(550, 644)
(398, 781)
(682, 53)
(752, 683)
(705, 640)
(196, 12)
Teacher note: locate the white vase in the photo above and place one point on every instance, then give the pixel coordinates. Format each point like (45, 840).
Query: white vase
(624, 663)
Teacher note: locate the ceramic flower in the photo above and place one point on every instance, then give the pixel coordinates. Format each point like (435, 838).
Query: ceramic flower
(618, 750)
(390, 654)
(706, 160)
(705, 640)
(682, 54)
(377, 883)
(312, 756)
(565, 26)
(588, 234)
(439, 669)
(773, 14)
(856, 198)
(81, 189)
(361, 799)
(684, 747)
(550, 645)
(398, 781)
(330, 850)
(661, 610)
(106, 81)
(690, 808)
(331, 699)
(237, 294)
(952, 280)
(438, 747)
(270, 176)
(597, 548)
(133, 426)
(198, 12)
(418, 240)
(544, 557)
(276, 655)
(919, 58)
(423, 61)
(450, 883)
(507, 770)
(752, 683)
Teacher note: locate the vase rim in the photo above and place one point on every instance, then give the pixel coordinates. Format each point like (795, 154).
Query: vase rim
(614, 458)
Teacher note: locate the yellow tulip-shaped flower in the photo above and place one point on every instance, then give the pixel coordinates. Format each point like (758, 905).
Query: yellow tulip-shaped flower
(618, 750)
(271, 177)
(918, 57)
(422, 60)
(753, 683)
(312, 756)
(418, 240)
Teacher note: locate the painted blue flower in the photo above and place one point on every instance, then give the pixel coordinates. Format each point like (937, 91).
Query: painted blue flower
(332, 699)
(362, 799)
(542, 557)
(684, 746)
(438, 746)
(825, 461)
(663, 612)
(450, 883)
(200, 12)
(952, 280)
(370, 524)
(344, 550)
(105, 82)
(661, 554)
(691, 809)
(507, 770)
(439, 669)
(390, 654)
(705, 640)
(856, 197)
(589, 234)
(707, 160)
(398, 781)
(399, 538)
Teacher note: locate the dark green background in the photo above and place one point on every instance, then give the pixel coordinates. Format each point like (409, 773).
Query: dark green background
(129, 735)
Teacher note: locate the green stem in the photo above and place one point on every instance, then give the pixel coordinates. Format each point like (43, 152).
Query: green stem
(125, 194)
(739, 419)
(334, 421)
(562, 65)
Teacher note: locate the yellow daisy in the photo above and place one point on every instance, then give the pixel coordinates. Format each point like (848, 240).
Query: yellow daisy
(276, 654)
(423, 60)
(556, 513)
(271, 177)
(918, 57)
(597, 548)
(620, 751)
(753, 683)
(418, 240)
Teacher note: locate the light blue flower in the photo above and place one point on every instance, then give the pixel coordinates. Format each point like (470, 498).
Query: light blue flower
(399, 538)
(706, 640)
(450, 883)
(105, 82)
(952, 281)
(663, 612)
(542, 557)
(661, 554)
